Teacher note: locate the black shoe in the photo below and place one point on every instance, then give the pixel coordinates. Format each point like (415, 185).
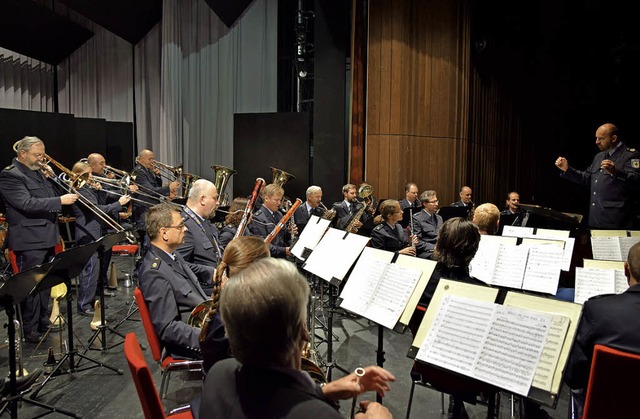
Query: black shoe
(22, 383)
(33, 336)
(87, 313)
(108, 293)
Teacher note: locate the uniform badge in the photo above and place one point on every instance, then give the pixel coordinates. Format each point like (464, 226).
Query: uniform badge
(635, 163)
(156, 263)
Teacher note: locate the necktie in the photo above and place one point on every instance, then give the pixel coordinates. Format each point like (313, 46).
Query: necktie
(353, 208)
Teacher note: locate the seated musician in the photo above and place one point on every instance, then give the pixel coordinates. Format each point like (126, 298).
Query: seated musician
(89, 228)
(170, 285)
(238, 255)
(232, 221)
(388, 234)
(487, 218)
(513, 207)
(410, 200)
(612, 320)
(309, 208)
(201, 237)
(426, 224)
(267, 217)
(264, 309)
(348, 209)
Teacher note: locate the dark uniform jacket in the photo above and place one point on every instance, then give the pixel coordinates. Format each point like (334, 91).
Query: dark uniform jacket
(228, 232)
(425, 228)
(611, 320)
(200, 244)
(89, 227)
(148, 181)
(262, 223)
(391, 238)
(611, 196)
(171, 290)
(233, 391)
(344, 214)
(302, 215)
(32, 205)
(406, 204)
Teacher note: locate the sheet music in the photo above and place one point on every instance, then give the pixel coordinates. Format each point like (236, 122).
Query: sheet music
(426, 267)
(509, 266)
(333, 256)
(634, 233)
(513, 231)
(547, 233)
(392, 294)
(310, 236)
(622, 283)
(625, 244)
(593, 281)
(456, 336)
(483, 263)
(606, 248)
(543, 269)
(603, 264)
(512, 349)
(496, 344)
(548, 363)
(566, 244)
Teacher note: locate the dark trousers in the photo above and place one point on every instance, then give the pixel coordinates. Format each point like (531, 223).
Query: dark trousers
(87, 283)
(35, 309)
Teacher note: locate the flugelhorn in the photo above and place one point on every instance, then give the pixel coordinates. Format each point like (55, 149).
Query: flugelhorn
(223, 174)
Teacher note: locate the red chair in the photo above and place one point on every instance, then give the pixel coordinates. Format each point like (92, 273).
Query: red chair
(147, 392)
(612, 384)
(169, 363)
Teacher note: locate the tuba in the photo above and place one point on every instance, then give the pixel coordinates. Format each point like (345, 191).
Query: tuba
(280, 177)
(223, 174)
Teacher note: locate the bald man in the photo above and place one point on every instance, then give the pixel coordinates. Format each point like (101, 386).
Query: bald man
(614, 176)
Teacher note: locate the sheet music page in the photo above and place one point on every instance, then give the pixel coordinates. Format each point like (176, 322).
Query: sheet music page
(553, 307)
(565, 244)
(459, 329)
(625, 245)
(543, 269)
(333, 256)
(512, 349)
(622, 284)
(608, 233)
(483, 263)
(603, 264)
(569, 244)
(606, 248)
(634, 233)
(547, 233)
(593, 281)
(513, 231)
(510, 266)
(310, 236)
(364, 279)
(549, 359)
(392, 294)
(426, 267)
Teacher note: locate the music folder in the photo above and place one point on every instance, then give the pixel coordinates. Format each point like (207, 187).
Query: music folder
(512, 341)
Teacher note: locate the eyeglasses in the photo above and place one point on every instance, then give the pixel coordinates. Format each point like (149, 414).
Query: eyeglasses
(38, 156)
(433, 202)
(179, 226)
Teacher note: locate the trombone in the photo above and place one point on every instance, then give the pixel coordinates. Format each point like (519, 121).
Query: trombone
(174, 173)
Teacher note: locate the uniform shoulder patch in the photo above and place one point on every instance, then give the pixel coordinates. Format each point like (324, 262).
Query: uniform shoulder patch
(156, 263)
(633, 150)
(635, 163)
(378, 227)
(11, 166)
(258, 212)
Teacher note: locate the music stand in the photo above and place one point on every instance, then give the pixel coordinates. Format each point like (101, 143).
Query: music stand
(453, 212)
(549, 218)
(105, 242)
(13, 292)
(68, 265)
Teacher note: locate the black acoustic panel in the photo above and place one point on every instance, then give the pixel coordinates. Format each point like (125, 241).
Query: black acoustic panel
(37, 32)
(91, 137)
(57, 131)
(261, 140)
(229, 11)
(120, 145)
(130, 20)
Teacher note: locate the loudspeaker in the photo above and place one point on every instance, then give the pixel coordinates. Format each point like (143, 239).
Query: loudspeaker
(228, 11)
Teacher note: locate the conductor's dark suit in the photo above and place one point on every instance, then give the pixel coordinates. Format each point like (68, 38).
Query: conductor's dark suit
(171, 290)
(263, 222)
(611, 204)
(425, 228)
(32, 205)
(302, 216)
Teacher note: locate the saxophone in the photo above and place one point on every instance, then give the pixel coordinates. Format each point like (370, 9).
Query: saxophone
(365, 192)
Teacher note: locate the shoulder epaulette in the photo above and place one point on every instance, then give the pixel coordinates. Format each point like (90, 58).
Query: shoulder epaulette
(258, 212)
(379, 227)
(156, 263)
(11, 166)
(633, 150)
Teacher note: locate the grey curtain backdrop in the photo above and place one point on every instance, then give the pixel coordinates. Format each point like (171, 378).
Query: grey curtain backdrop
(190, 74)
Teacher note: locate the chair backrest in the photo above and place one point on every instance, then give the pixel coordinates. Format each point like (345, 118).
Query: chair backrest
(152, 336)
(612, 384)
(147, 392)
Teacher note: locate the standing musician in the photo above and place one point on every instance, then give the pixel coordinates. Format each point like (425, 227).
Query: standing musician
(267, 217)
(309, 208)
(169, 284)
(232, 221)
(90, 228)
(32, 205)
(348, 208)
(388, 234)
(411, 192)
(426, 224)
(614, 176)
(201, 238)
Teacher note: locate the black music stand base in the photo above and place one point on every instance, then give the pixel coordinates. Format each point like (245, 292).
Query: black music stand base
(331, 364)
(11, 403)
(72, 353)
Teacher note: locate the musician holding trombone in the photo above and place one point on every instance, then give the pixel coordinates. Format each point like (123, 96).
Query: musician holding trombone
(32, 205)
